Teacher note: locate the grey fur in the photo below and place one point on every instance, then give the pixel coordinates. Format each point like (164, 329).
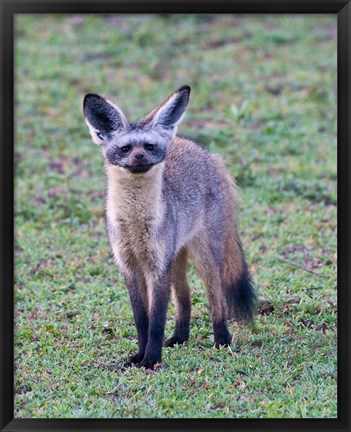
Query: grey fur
(167, 199)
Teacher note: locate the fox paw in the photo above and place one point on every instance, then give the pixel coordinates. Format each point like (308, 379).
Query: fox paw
(135, 359)
(223, 341)
(149, 363)
(175, 340)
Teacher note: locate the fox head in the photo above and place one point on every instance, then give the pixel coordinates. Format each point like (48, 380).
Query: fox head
(139, 146)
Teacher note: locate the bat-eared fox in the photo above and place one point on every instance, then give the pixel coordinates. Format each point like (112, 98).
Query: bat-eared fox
(167, 200)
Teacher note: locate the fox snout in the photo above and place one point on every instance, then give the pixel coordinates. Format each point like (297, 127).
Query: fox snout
(134, 159)
(137, 157)
(138, 162)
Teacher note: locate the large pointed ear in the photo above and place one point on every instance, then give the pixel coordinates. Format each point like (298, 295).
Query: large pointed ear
(171, 112)
(102, 117)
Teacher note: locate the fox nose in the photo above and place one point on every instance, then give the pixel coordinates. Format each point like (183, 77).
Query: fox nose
(139, 156)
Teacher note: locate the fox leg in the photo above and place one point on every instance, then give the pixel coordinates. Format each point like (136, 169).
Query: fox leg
(216, 301)
(182, 298)
(209, 271)
(137, 292)
(159, 294)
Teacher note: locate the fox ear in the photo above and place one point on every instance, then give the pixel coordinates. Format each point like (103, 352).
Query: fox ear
(102, 117)
(172, 111)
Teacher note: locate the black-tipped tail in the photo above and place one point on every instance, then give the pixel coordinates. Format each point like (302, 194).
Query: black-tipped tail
(241, 298)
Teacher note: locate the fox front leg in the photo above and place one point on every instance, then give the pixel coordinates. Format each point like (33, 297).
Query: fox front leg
(138, 298)
(159, 295)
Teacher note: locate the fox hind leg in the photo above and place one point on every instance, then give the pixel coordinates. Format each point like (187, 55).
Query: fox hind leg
(216, 301)
(209, 271)
(182, 298)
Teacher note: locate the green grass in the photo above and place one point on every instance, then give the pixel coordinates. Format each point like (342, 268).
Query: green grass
(263, 95)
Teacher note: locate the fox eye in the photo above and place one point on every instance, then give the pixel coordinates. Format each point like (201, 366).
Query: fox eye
(126, 148)
(149, 147)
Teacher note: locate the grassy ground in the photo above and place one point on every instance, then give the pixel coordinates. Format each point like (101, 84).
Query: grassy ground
(263, 95)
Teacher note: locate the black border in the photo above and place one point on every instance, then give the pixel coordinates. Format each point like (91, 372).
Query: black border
(8, 8)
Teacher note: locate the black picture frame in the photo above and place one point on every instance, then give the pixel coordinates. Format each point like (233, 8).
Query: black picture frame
(8, 10)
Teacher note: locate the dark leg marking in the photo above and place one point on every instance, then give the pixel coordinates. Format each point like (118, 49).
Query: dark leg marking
(137, 293)
(160, 294)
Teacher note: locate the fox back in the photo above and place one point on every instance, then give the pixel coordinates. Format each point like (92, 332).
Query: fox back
(168, 199)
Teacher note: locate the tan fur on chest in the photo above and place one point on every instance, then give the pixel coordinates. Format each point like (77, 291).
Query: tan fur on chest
(134, 210)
